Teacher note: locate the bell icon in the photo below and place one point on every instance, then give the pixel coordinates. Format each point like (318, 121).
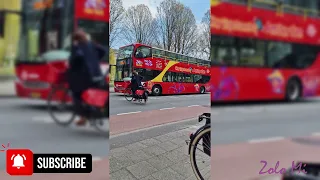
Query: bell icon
(18, 161)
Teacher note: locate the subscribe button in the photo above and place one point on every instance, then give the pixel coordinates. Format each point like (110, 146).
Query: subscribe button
(24, 162)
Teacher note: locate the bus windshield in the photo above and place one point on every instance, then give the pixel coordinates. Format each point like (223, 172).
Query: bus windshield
(125, 52)
(46, 29)
(49, 29)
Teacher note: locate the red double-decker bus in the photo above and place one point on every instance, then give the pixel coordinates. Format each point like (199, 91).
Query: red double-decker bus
(264, 50)
(164, 72)
(45, 41)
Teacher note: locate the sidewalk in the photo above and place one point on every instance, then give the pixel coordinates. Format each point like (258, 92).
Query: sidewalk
(162, 157)
(7, 88)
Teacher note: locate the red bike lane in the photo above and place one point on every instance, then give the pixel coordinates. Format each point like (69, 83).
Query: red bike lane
(131, 122)
(241, 161)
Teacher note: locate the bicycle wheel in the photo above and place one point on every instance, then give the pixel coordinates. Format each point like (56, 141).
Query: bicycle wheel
(201, 169)
(128, 94)
(60, 106)
(102, 126)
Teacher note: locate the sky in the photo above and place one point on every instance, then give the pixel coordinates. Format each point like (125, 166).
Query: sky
(198, 7)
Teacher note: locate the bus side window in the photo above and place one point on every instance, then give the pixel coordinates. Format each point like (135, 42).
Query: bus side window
(197, 78)
(188, 78)
(252, 52)
(143, 52)
(167, 77)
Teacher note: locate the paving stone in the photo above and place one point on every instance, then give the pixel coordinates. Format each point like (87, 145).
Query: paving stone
(150, 142)
(123, 174)
(184, 168)
(160, 162)
(141, 169)
(180, 141)
(176, 155)
(167, 174)
(168, 146)
(135, 146)
(116, 152)
(138, 156)
(154, 150)
(117, 163)
(163, 138)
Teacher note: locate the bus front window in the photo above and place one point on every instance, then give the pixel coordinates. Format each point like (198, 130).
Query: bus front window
(44, 30)
(124, 62)
(125, 52)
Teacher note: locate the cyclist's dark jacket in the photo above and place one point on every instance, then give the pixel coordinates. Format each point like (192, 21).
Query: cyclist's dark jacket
(84, 66)
(136, 82)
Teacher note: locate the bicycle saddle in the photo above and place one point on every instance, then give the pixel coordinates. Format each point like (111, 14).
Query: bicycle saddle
(206, 116)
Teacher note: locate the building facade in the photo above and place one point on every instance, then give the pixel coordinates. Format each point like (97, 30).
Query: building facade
(10, 22)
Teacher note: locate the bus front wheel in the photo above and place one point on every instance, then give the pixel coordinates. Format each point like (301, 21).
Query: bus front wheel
(156, 90)
(293, 90)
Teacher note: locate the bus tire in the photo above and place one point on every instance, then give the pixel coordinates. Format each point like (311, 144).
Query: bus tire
(293, 90)
(202, 90)
(156, 90)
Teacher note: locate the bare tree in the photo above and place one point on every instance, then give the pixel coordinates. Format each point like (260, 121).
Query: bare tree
(177, 30)
(205, 36)
(116, 17)
(139, 25)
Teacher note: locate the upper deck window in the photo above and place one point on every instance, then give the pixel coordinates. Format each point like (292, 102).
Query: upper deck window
(234, 51)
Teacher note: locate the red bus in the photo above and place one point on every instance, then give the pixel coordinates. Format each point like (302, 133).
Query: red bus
(263, 51)
(45, 41)
(164, 72)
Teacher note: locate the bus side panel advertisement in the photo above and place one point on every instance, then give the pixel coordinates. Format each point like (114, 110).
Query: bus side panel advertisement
(263, 24)
(92, 9)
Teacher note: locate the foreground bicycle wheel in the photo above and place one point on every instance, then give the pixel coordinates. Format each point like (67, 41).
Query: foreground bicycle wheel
(201, 147)
(60, 106)
(128, 94)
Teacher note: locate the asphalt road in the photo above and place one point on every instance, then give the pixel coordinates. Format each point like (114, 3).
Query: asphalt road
(258, 122)
(26, 124)
(120, 105)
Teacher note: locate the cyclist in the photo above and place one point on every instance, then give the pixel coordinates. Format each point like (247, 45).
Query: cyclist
(84, 68)
(135, 83)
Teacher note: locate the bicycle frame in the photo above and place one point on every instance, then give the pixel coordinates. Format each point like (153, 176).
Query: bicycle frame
(207, 125)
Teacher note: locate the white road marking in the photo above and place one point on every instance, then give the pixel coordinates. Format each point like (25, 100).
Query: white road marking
(166, 108)
(316, 134)
(263, 140)
(134, 112)
(42, 119)
(193, 105)
(96, 158)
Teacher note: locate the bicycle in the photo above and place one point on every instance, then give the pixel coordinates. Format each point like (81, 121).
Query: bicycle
(141, 94)
(202, 134)
(312, 169)
(94, 106)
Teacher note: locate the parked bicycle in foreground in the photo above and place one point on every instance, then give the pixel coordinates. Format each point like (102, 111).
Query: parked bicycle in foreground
(200, 149)
(311, 171)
